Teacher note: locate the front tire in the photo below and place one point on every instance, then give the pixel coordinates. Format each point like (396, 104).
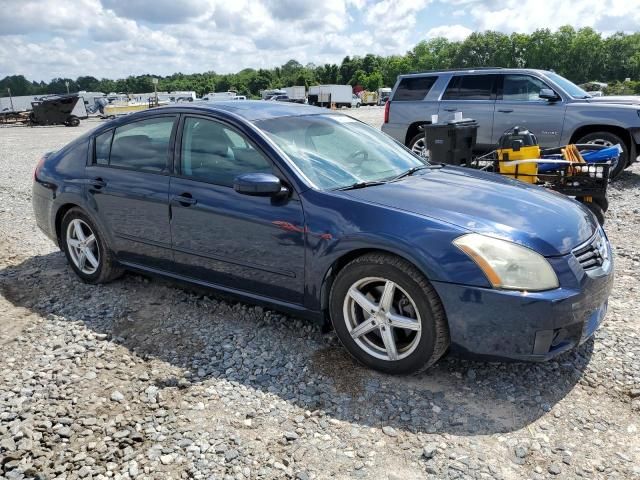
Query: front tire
(597, 210)
(86, 249)
(609, 139)
(387, 315)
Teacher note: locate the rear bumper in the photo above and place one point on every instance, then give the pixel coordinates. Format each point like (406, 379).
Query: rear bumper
(42, 204)
(507, 325)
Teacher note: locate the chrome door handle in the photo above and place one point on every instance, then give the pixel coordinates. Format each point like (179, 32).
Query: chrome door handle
(184, 199)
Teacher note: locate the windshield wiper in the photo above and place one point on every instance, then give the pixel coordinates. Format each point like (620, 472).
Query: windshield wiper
(415, 169)
(355, 186)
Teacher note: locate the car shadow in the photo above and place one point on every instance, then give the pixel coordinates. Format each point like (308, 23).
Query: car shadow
(207, 338)
(626, 180)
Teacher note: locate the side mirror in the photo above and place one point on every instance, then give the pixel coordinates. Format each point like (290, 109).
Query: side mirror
(548, 94)
(260, 184)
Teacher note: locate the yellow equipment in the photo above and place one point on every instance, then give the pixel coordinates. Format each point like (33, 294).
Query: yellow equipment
(515, 147)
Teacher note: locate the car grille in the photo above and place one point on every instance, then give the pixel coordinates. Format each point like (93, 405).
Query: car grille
(594, 253)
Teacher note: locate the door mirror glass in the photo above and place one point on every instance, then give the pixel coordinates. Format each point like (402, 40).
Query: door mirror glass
(548, 94)
(263, 184)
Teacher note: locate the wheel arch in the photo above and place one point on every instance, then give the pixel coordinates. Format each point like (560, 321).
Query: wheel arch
(60, 213)
(341, 262)
(623, 133)
(413, 130)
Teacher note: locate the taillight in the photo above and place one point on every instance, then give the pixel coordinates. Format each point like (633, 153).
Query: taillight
(386, 111)
(38, 168)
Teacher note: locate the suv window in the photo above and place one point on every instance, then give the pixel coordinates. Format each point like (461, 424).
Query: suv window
(522, 88)
(142, 145)
(470, 87)
(212, 152)
(413, 88)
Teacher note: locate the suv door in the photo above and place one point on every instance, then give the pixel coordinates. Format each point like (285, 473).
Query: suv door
(128, 186)
(474, 96)
(518, 104)
(222, 237)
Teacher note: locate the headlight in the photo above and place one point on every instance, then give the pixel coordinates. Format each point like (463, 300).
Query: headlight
(508, 265)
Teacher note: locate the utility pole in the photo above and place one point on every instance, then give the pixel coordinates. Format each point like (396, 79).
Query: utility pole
(10, 98)
(155, 90)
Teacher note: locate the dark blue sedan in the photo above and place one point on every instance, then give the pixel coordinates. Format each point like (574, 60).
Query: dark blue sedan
(318, 214)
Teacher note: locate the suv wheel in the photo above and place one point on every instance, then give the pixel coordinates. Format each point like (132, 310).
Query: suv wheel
(387, 315)
(86, 249)
(608, 140)
(418, 145)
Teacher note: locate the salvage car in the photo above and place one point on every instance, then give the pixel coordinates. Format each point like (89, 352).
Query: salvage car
(320, 215)
(556, 110)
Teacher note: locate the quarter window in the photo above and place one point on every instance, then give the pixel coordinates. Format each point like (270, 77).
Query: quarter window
(414, 88)
(214, 153)
(103, 147)
(142, 145)
(470, 87)
(522, 88)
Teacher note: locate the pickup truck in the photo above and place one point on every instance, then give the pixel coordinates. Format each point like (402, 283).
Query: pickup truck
(555, 109)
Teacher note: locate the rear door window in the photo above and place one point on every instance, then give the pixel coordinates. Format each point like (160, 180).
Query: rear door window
(470, 87)
(413, 88)
(143, 145)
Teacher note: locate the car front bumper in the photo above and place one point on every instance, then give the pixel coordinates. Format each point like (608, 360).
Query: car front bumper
(531, 326)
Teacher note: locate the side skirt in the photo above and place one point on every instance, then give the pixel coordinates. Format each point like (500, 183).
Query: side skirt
(290, 308)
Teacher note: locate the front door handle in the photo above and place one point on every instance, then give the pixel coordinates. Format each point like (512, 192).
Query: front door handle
(505, 110)
(185, 199)
(97, 183)
(450, 109)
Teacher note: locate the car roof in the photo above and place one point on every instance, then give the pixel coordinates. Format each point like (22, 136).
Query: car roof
(250, 110)
(488, 70)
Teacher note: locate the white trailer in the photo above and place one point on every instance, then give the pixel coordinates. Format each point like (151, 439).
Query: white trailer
(383, 95)
(326, 95)
(219, 96)
(296, 94)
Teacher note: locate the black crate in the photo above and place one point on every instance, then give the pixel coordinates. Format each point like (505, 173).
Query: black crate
(451, 143)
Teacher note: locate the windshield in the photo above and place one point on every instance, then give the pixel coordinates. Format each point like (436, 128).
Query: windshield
(335, 151)
(568, 86)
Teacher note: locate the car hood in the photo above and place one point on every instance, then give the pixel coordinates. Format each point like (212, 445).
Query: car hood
(490, 204)
(617, 99)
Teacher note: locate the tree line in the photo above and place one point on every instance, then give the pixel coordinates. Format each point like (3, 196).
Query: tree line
(581, 55)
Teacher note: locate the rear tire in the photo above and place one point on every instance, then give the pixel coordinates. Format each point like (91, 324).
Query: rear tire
(387, 315)
(418, 145)
(73, 121)
(86, 249)
(609, 139)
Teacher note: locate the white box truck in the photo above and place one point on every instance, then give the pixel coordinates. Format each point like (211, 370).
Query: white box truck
(296, 94)
(326, 95)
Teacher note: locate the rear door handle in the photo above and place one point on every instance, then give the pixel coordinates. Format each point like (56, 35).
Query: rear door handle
(505, 110)
(185, 199)
(450, 109)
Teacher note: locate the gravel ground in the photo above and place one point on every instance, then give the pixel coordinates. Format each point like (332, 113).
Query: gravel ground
(142, 379)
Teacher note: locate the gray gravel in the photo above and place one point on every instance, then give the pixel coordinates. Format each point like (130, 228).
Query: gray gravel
(143, 379)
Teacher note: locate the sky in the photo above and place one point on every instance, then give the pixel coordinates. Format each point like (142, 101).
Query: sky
(43, 39)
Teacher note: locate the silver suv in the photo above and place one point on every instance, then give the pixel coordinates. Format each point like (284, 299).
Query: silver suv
(552, 107)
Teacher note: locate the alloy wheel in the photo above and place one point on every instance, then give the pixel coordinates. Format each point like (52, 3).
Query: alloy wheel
(420, 148)
(83, 247)
(604, 143)
(382, 318)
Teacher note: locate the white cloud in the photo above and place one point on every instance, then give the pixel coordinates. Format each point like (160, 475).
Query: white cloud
(115, 38)
(451, 32)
